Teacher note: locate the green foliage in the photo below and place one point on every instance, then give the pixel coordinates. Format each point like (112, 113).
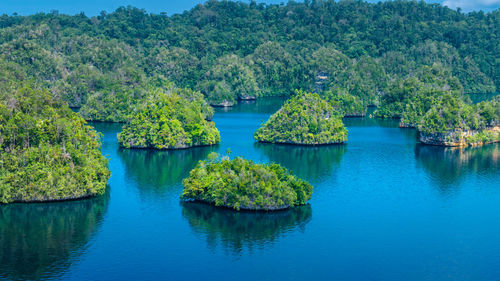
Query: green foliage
(332, 63)
(48, 151)
(242, 185)
(345, 104)
(38, 61)
(10, 74)
(464, 68)
(304, 119)
(451, 113)
(367, 80)
(178, 64)
(228, 80)
(451, 120)
(167, 120)
(234, 50)
(405, 97)
(484, 137)
(114, 104)
(277, 71)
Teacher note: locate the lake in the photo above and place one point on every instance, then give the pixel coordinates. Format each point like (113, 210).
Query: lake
(383, 208)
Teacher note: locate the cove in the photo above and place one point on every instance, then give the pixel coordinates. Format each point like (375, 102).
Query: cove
(384, 208)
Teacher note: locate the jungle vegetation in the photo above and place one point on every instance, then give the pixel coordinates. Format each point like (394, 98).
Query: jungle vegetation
(346, 104)
(47, 152)
(304, 119)
(168, 120)
(107, 64)
(451, 121)
(241, 184)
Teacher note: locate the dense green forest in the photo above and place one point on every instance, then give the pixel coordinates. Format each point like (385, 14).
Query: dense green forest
(243, 185)
(168, 120)
(452, 122)
(345, 104)
(304, 119)
(47, 151)
(107, 64)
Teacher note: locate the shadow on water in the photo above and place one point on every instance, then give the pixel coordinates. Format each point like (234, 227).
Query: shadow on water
(261, 105)
(237, 231)
(42, 240)
(477, 98)
(307, 162)
(447, 166)
(370, 122)
(154, 171)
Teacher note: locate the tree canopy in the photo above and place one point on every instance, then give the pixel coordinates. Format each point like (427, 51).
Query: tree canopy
(168, 120)
(47, 151)
(305, 119)
(243, 185)
(235, 50)
(451, 121)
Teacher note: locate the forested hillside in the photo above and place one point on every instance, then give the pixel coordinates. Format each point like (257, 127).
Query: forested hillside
(230, 50)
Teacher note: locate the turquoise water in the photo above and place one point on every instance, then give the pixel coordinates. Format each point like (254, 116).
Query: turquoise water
(383, 208)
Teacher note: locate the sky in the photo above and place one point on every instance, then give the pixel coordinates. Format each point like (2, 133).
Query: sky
(94, 7)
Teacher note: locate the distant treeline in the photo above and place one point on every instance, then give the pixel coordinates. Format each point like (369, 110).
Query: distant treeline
(231, 50)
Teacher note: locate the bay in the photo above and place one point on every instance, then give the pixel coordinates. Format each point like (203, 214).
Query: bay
(384, 208)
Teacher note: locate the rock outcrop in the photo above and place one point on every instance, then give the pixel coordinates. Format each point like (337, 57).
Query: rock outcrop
(462, 138)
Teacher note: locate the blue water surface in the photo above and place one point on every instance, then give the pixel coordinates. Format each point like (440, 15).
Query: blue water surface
(384, 208)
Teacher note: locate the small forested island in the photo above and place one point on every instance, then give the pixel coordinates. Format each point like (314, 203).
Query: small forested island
(409, 98)
(453, 122)
(241, 184)
(47, 151)
(305, 119)
(167, 120)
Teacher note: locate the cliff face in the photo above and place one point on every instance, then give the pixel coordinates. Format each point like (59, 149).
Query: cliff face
(404, 124)
(247, 97)
(462, 138)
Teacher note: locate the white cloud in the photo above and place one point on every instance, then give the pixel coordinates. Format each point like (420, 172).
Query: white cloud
(469, 5)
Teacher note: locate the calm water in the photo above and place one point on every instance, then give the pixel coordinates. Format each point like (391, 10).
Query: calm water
(383, 208)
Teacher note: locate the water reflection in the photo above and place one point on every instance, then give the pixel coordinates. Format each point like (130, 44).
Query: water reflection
(237, 231)
(477, 98)
(307, 162)
(261, 105)
(39, 241)
(155, 170)
(448, 165)
(370, 122)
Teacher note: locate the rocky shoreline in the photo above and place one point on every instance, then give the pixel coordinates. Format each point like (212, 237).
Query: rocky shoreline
(302, 144)
(460, 138)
